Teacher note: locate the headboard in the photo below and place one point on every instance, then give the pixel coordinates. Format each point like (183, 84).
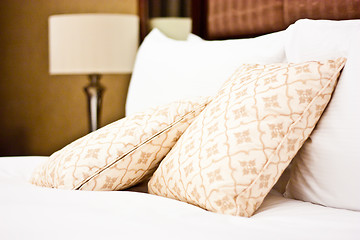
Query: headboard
(224, 19)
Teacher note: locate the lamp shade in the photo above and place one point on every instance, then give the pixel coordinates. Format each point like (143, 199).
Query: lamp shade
(92, 43)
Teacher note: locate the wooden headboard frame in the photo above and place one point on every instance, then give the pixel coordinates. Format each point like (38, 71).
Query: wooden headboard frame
(224, 19)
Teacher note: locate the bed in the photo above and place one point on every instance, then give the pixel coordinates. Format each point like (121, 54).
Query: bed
(317, 196)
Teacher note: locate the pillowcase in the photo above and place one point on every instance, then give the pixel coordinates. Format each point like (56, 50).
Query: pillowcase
(236, 149)
(326, 170)
(120, 154)
(166, 70)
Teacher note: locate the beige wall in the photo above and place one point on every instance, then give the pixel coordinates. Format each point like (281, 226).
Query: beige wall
(39, 113)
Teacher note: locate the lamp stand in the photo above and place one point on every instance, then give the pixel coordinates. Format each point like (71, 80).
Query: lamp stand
(94, 93)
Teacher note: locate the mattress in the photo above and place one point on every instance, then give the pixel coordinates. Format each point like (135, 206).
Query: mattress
(31, 212)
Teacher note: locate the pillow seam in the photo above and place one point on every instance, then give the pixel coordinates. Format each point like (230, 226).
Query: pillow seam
(99, 171)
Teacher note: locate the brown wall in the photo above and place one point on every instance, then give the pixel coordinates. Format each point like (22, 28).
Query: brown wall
(40, 113)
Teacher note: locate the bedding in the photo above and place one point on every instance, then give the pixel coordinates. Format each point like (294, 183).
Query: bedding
(120, 154)
(326, 170)
(237, 148)
(168, 70)
(185, 69)
(31, 212)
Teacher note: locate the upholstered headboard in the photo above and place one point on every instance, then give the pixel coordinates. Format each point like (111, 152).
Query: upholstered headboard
(222, 19)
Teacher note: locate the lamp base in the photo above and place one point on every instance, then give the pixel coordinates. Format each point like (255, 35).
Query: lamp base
(94, 93)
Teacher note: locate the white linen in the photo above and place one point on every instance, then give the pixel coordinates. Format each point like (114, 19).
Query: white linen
(326, 169)
(167, 70)
(30, 212)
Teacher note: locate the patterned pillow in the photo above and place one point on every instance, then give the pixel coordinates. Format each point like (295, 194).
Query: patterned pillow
(236, 149)
(120, 154)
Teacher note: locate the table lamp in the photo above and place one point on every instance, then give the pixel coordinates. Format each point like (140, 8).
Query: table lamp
(93, 44)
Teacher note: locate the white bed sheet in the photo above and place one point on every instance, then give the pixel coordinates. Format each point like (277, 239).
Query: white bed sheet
(30, 212)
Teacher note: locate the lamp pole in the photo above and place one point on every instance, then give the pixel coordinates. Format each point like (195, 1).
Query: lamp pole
(94, 93)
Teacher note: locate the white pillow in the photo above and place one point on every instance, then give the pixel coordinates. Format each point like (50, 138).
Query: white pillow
(167, 70)
(327, 169)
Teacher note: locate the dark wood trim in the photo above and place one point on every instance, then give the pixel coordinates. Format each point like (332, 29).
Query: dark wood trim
(144, 18)
(199, 17)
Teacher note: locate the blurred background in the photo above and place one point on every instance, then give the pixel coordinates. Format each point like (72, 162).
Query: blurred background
(41, 113)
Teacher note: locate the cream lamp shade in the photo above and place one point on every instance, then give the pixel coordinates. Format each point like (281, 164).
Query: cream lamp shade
(92, 43)
(177, 28)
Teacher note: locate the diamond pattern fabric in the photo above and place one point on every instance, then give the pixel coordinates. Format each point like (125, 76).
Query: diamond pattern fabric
(120, 154)
(236, 149)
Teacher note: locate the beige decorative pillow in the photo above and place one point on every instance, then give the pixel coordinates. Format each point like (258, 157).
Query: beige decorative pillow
(120, 154)
(236, 149)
